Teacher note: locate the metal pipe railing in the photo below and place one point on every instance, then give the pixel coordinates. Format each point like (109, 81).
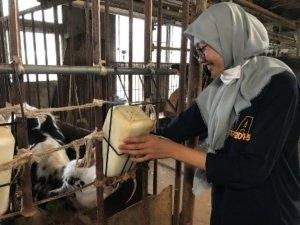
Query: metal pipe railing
(88, 70)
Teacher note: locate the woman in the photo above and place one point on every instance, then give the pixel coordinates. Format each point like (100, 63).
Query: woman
(251, 116)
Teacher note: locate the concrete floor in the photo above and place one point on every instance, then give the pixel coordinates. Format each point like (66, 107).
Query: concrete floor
(202, 209)
(166, 177)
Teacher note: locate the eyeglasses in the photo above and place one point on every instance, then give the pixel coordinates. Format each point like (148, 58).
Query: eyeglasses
(199, 53)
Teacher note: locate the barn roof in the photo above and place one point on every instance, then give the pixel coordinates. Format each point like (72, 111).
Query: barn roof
(281, 17)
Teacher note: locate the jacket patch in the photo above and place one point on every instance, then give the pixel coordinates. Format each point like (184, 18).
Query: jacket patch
(242, 131)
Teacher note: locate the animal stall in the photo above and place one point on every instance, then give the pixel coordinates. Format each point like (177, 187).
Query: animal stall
(59, 77)
(64, 103)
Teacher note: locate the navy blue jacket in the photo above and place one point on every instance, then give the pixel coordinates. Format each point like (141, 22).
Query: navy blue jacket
(255, 176)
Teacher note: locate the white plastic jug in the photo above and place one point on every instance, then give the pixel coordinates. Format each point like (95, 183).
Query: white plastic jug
(127, 121)
(7, 144)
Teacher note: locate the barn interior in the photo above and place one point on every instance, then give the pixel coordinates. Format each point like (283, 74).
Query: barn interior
(64, 55)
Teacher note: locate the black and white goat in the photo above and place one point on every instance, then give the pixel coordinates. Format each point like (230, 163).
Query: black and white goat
(75, 177)
(115, 197)
(44, 134)
(57, 172)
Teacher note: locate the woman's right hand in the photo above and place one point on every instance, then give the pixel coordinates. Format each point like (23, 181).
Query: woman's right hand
(143, 148)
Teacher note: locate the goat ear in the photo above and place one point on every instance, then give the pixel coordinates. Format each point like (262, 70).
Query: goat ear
(6, 116)
(2, 120)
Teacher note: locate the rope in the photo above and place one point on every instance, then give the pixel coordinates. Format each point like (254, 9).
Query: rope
(111, 181)
(102, 68)
(26, 155)
(20, 159)
(151, 112)
(10, 109)
(17, 65)
(89, 153)
(98, 183)
(151, 67)
(37, 112)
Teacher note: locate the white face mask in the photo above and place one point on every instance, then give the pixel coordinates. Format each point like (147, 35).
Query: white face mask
(232, 73)
(196, 41)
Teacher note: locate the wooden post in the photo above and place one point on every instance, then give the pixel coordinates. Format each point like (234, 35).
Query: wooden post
(147, 96)
(181, 105)
(3, 55)
(28, 208)
(130, 47)
(147, 45)
(195, 72)
(96, 41)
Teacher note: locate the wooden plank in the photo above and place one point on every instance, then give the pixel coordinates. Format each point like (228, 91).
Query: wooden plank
(159, 211)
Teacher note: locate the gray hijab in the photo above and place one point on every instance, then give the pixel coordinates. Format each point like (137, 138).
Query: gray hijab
(238, 37)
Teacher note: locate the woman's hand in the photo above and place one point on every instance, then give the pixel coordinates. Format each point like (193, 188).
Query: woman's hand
(148, 147)
(143, 148)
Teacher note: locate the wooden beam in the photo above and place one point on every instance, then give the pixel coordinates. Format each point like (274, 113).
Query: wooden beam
(298, 40)
(121, 7)
(282, 38)
(285, 4)
(264, 12)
